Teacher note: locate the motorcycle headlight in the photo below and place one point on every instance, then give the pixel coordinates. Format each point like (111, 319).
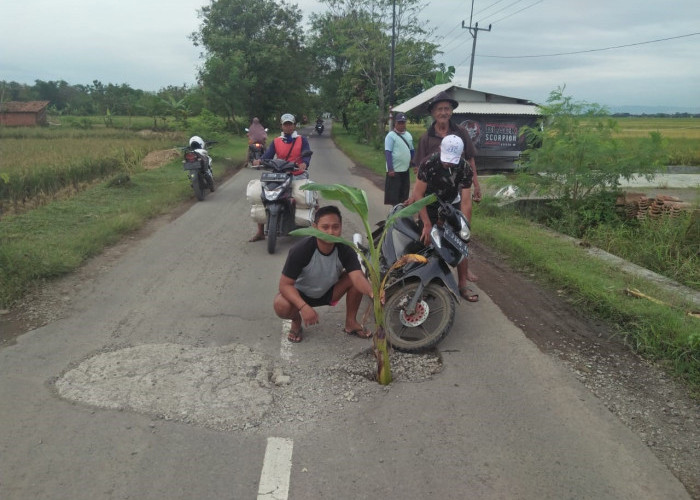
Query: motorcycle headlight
(272, 194)
(464, 231)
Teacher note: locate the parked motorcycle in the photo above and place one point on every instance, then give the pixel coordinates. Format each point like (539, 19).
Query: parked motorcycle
(283, 211)
(421, 298)
(319, 127)
(197, 165)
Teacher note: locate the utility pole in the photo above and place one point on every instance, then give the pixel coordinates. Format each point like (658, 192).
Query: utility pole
(391, 67)
(473, 31)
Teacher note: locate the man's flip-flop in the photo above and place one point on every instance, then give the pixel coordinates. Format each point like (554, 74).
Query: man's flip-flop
(467, 294)
(295, 336)
(257, 237)
(359, 332)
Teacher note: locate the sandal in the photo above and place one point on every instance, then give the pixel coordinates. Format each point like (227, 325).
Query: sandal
(359, 332)
(257, 237)
(295, 336)
(468, 294)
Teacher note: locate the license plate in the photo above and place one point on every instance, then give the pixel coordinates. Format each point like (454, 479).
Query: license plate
(455, 241)
(273, 177)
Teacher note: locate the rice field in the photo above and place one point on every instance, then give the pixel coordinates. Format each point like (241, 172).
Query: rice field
(40, 163)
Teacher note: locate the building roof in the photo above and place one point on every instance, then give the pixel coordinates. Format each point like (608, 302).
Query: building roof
(23, 107)
(470, 101)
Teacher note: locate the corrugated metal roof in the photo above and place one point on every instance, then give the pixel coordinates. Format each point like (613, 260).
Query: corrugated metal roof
(470, 101)
(496, 108)
(23, 107)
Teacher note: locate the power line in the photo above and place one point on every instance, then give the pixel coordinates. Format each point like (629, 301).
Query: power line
(509, 15)
(503, 8)
(593, 50)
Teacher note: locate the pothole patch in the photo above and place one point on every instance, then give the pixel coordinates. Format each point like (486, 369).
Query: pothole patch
(225, 388)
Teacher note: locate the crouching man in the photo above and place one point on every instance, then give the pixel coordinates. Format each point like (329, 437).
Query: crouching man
(319, 273)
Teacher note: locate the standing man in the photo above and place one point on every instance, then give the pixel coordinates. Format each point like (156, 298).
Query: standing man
(288, 146)
(440, 108)
(398, 149)
(319, 273)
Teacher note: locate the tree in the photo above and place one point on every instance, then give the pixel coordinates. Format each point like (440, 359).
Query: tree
(355, 200)
(255, 64)
(351, 44)
(578, 154)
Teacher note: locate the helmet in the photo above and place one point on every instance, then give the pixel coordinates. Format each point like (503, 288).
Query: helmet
(287, 117)
(196, 142)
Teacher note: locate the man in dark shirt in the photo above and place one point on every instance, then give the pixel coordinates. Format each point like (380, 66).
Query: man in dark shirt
(319, 273)
(449, 177)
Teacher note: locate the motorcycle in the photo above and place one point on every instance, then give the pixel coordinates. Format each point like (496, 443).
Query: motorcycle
(421, 297)
(283, 212)
(197, 165)
(319, 127)
(255, 150)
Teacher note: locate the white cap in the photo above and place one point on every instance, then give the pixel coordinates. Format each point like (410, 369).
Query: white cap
(287, 117)
(451, 149)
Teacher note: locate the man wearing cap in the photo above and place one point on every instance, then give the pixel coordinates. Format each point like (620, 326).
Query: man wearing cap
(447, 174)
(288, 146)
(398, 149)
(440, 108)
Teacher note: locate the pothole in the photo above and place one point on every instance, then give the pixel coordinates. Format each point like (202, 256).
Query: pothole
(231, 387)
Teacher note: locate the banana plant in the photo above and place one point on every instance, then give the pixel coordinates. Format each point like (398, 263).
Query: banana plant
(355, 200)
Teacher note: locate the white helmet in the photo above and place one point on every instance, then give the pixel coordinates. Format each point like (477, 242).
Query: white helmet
(196, 142)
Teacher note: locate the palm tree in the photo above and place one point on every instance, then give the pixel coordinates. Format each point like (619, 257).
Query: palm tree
(355, 200)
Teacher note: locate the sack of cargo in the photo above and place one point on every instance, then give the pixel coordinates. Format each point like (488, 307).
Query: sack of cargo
(257, 213)
(254, 192)
(303, 198)
(304, 217)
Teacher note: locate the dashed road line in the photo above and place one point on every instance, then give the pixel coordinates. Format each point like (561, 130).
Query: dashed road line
(277, 468)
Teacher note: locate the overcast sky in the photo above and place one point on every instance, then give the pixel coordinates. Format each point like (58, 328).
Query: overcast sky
(146, 44)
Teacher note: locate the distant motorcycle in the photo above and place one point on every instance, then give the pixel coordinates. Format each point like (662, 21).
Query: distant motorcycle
(255, 150)
(197, 165)
(319, 127)
(421, 297)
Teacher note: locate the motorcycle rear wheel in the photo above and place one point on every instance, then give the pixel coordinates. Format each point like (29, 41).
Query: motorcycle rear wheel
(428, 326)
(197, 187)
(272, 224)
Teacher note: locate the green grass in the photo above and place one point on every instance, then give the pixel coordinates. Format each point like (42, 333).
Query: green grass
(56, 238)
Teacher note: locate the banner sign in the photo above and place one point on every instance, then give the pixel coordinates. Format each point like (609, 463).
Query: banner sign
(499, 134)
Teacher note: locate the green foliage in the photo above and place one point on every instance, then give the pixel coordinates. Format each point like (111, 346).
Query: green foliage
(207, 125)
(351, 47)
(578, 153)
(255, 63)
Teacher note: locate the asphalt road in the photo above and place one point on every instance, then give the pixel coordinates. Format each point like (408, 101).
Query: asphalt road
(502, 420)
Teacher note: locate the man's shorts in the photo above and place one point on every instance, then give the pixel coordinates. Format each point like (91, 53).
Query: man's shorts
(324, 300)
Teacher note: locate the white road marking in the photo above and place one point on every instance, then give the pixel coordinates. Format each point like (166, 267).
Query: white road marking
(277, 467)
(286, 345)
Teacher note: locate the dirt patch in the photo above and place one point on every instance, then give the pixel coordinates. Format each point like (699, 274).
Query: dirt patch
(156, 159)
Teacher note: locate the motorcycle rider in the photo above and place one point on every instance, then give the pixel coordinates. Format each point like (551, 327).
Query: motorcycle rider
(319, 123)
(449, 176)
(288, 146)
(256, 132)
(197, 145)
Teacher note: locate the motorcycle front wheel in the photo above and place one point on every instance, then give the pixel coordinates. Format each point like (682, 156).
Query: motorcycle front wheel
(427, 326)
(197, 186)
(272, 225)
